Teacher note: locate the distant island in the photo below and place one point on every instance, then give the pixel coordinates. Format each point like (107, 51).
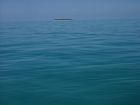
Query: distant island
(63, 19)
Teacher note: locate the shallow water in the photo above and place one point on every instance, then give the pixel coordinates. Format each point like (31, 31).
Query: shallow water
(70, 62)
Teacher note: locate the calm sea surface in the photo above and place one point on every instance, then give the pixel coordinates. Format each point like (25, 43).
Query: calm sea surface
(70, 62)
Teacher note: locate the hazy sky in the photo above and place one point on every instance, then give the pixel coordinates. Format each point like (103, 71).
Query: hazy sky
(77, 9)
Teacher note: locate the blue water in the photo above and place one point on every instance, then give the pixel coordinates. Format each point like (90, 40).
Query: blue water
(70, 62)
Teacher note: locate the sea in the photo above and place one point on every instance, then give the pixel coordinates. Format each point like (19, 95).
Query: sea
(70, 62)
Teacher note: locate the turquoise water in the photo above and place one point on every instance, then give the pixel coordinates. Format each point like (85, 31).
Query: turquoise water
(70, 62)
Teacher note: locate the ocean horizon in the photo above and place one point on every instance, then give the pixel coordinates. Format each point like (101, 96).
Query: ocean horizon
(78, 62)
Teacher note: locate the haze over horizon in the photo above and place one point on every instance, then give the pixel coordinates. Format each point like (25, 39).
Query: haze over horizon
(11, 10)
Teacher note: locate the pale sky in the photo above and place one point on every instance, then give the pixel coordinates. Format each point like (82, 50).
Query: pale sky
(76, 9)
